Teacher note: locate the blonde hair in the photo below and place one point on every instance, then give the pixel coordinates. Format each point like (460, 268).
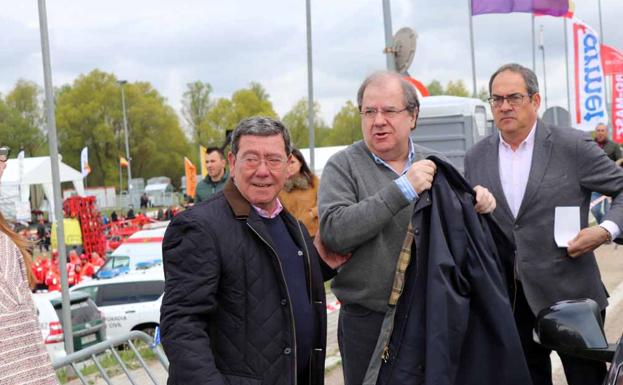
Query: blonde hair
(22, 244)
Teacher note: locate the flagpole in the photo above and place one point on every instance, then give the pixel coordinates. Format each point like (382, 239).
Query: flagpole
(533, 47)
(473, 54)
(603, 41)
(567, 65)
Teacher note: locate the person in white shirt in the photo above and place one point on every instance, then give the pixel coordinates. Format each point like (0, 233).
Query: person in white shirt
(531, 168)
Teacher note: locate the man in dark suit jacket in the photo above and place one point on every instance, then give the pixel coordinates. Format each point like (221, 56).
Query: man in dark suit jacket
(532, 168)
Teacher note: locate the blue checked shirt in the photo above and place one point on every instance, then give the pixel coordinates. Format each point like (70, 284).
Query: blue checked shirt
(402, 182)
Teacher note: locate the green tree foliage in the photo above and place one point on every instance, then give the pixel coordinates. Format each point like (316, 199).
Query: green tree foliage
(435, 88)
(457, 88)
(226, 113)
(346, 126)
(196, 103)
(21, 119)
(296, 121)
(89, 113)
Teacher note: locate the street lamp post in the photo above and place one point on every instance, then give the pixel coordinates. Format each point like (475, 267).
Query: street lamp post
(127, 144)
(542, 48)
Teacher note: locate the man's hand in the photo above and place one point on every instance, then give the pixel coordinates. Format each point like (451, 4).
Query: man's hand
(485, 202)
(331, 258)
(420, 175)
(588, 239)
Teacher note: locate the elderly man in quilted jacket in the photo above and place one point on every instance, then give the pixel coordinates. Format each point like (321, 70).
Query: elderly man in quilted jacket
(244, 299)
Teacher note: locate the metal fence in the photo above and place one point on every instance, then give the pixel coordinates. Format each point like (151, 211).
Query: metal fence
(95, 354)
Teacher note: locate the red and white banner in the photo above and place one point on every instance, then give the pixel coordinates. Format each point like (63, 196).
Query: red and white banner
(612, 60)
(588, 83)
(617, 107)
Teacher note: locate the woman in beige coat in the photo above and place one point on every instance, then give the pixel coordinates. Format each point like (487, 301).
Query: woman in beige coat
(23, 358)
(300, 191)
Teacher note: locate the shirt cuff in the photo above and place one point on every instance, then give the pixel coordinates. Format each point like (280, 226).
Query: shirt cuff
(407, 190)
(612, 228)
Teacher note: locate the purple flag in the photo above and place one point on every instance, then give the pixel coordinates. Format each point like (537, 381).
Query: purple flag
(544, 7)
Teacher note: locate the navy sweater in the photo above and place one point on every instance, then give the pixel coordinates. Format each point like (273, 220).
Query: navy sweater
(292, 261)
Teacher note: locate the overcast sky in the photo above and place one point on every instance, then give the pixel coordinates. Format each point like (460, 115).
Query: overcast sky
(233, 42)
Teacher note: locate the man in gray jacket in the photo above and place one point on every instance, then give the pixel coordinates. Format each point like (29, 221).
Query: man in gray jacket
(366, 198)
(534, 170)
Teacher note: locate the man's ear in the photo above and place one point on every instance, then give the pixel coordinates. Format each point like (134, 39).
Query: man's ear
(232, 161)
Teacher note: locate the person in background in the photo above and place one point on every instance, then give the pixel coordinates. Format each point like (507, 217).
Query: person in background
(613, 151)
(130, 214)
(23, 357)
(299, 194)
(217, 175)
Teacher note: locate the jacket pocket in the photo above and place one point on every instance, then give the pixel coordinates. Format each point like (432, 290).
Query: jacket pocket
(234, 379)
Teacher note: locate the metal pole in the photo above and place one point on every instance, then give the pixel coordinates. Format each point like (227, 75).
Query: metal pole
(56, 184)
(533, 46)
(127, 145)
(603, 41)
(473, 54)
(310, 87)
(567, 65)
(389, 39)
(542, 48)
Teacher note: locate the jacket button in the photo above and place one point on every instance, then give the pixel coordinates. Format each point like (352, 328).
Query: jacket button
(517, 227)
(416, 231)
(300, 253)
(287, 351)
(284, 302)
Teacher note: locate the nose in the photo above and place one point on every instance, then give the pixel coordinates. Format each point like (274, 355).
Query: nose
(262, 168)
(379, 118)
(506, 105)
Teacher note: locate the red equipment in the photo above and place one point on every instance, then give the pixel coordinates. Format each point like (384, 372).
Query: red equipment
(85, 210)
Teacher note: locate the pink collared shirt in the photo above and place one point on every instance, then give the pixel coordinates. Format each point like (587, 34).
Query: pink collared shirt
(265, 214)
(515, 169)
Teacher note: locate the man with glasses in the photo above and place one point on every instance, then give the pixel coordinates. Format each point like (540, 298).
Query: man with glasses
(532, 169)
(244, 298)
(366, 198)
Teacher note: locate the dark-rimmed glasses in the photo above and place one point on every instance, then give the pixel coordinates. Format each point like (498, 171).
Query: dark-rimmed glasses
(5, 151)
(514, 100)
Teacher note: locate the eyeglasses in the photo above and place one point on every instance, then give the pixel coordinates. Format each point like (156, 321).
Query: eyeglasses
(252, 162)
(513, 100)
(5, 151)
(388, 113)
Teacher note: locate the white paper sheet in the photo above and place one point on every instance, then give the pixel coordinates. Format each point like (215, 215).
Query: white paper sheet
(566, 224)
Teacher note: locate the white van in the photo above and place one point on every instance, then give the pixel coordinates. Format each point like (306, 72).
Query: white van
(130, 301)
(141, 250)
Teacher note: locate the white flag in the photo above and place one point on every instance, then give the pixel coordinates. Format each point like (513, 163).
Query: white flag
(588, 83)
(84, 162)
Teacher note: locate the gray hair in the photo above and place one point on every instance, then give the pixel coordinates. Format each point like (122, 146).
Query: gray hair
(532, 83)
(408, 90)
(260, 126)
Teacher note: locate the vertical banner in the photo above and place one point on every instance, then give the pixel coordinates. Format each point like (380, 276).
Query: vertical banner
(191, 177)
(84, 162)
(617, 108)
(202, 160)
(588, 83)
(612, 60)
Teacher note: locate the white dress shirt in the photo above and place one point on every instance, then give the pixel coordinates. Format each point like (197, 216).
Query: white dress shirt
(515, 169)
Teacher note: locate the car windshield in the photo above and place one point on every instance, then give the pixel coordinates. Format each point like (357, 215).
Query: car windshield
(116, 262)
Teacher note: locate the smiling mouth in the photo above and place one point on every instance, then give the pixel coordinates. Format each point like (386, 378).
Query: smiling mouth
(262, 185)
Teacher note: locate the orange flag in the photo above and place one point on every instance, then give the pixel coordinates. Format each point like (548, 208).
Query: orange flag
(123, 161)
(191, 177)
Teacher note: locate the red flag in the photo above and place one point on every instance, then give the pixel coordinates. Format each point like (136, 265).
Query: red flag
(617, 108)
(612, 60)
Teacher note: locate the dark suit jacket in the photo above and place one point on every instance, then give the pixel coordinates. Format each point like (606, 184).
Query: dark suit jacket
(566, 166)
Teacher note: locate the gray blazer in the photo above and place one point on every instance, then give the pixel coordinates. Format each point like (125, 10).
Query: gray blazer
(566, 166)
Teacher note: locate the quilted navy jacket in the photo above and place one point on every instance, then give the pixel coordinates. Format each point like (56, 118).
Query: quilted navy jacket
(226, 315)
(454, 323)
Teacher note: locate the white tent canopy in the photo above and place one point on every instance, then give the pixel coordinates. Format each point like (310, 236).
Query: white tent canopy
(38, 170)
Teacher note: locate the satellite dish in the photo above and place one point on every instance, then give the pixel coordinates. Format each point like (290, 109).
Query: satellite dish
(404, 48)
